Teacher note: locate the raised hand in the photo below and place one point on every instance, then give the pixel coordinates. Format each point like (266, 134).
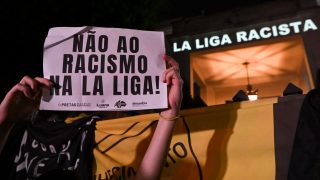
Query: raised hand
(171, 76)
(23, 99)
(154, 159)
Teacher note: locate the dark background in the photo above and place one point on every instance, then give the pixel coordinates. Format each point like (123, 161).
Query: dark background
(24, 24)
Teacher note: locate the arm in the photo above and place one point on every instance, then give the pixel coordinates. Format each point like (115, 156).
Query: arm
(154, 159)
(22, 99)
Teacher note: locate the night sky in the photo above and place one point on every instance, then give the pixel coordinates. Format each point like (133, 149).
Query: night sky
(24, 24)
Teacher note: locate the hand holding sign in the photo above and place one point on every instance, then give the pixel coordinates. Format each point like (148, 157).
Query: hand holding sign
(172, 77)
(25, 97)
(154, 158)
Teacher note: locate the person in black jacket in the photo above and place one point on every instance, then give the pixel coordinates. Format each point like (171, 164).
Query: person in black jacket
(305, 156)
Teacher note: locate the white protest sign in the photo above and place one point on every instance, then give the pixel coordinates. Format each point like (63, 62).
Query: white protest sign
(104, 69)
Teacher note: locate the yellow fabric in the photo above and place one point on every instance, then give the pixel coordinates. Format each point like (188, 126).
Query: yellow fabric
(231, 141)
(69, 120)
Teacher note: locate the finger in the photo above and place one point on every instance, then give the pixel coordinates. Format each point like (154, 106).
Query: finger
(171, 77)
(164, 74)
(28, 81)
(171, 62)
(174, 78)
(43, 81)
(21, 88)
(37, 96)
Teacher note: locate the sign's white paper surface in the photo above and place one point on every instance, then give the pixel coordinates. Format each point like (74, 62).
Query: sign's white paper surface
(104, 69)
